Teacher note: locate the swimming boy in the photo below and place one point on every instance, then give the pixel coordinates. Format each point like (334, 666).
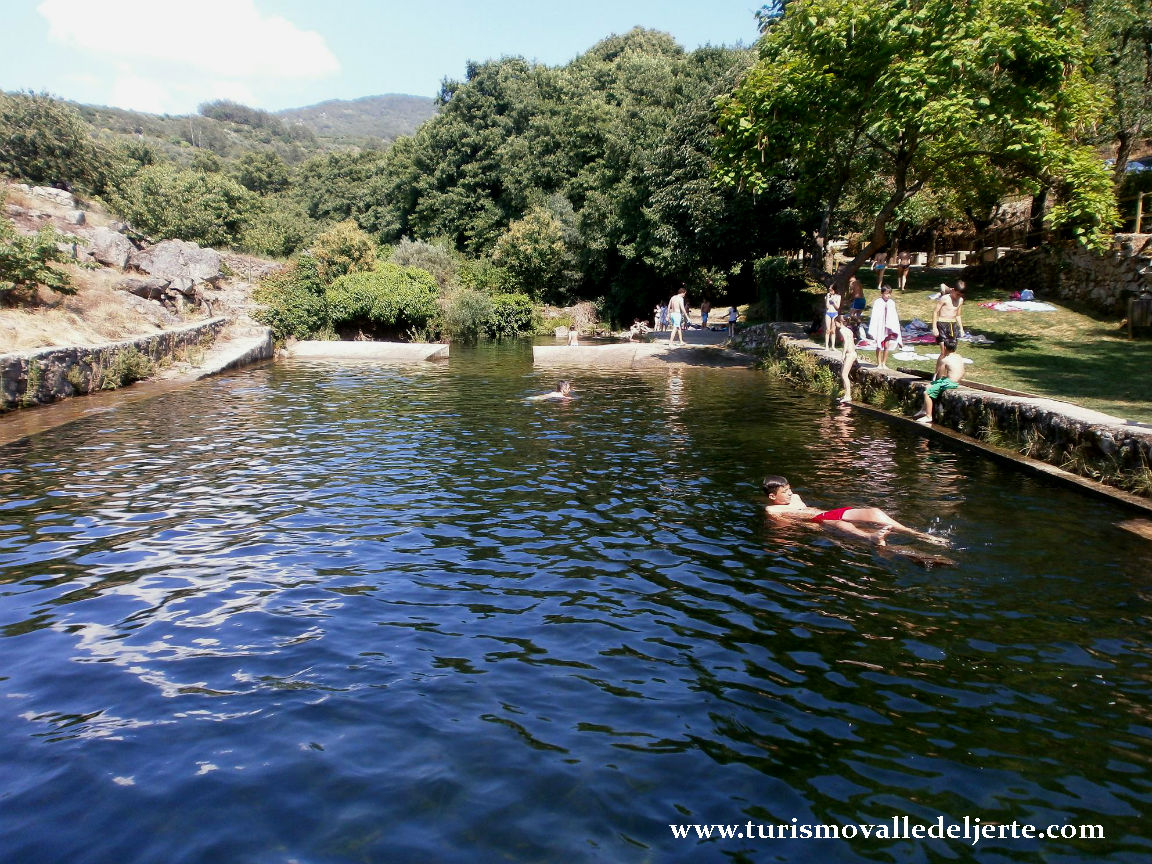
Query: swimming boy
(949, 371)
(563, 391)
(782, 502)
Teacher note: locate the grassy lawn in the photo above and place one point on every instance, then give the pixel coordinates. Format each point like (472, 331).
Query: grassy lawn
(1063, 355)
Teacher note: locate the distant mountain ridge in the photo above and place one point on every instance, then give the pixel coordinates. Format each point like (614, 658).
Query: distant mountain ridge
(386, 116)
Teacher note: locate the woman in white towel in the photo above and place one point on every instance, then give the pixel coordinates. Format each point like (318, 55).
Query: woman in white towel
(884, 326)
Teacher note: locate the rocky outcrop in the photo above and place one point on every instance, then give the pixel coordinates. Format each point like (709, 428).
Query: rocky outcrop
(174, 259)
(56, 196)
(110, 247)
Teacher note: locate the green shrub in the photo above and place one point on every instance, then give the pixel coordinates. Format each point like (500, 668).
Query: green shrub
(389, 300)
(467, 315)
(482, 274)
(511, 315)
(437, 259)
(164, 201)
(278, 231)
(126, 366)
(263, 172)
(44, 141)
(26, 262)
(343, 249)
(293, 301)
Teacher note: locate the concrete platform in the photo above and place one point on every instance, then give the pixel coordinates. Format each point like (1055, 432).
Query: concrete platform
(394, 352)
(706, 349)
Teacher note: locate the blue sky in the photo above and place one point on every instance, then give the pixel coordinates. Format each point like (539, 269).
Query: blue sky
(168, 56)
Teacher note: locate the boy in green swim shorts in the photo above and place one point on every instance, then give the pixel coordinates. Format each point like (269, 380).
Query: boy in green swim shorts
(949, 371)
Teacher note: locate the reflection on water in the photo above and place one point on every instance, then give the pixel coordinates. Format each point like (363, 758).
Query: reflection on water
(331, 612)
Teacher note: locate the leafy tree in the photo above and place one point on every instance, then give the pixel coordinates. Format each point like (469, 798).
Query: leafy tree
(164, 201)
(278, 229)
(342, 249)
(535, 254)
(389, 300)
(909, 95)
(47, 143)
(263, 172)
(483, 275)
(26, 263)
(1121, 32)
(467, 312)
(511, 315)
(293, 302)
(343, 186)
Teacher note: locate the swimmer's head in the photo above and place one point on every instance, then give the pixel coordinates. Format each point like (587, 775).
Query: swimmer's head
(773, 483)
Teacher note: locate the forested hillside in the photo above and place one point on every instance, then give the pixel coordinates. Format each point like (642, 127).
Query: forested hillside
(640, 166)
(358, 121)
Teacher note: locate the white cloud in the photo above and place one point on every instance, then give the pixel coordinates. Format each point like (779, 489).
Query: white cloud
(160, 54)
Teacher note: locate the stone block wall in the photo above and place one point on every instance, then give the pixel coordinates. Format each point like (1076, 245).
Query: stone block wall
(48, 374)
(1088, 443)
(1101, 282)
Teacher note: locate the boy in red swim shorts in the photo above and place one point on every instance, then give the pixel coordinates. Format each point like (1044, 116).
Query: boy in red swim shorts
(783, 502)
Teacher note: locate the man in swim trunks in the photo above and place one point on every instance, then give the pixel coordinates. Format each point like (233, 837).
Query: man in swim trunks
(783, 503)
(949, 371)
(946, 319)
(679, 313)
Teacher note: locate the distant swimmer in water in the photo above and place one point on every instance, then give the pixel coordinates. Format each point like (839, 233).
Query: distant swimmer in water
(783, 503)
(563, 391)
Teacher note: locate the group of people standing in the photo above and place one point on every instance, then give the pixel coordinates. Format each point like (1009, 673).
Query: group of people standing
(843, 323)
(674, 316)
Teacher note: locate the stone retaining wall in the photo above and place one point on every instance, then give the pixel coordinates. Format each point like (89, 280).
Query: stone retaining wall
(1103, 282)
(48, 374)
(1084, 442)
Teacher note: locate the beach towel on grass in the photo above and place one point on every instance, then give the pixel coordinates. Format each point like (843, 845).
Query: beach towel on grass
(1020, 306)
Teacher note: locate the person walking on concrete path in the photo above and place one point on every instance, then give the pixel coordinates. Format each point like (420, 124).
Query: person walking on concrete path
(733, 316)
(679, 312)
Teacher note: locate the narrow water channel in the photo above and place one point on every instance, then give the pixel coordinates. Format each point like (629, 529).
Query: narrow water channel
(326, 612)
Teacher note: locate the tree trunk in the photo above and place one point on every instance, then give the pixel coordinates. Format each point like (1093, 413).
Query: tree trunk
(1123, 151)
(1036, 219)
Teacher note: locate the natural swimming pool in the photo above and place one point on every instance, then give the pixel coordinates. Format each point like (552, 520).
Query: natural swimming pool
(334, 612)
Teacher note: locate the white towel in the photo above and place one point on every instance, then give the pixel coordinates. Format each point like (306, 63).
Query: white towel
(884, 319)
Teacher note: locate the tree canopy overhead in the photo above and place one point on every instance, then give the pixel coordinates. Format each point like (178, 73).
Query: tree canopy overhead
(878, 101)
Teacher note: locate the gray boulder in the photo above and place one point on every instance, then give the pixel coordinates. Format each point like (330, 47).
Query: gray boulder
(58, 196)
(110, 247)
(184, 285)
(75, 217)
(173, 259)
(152, 288)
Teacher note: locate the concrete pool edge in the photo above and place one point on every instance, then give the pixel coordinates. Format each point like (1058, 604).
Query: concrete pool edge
(1095, 437)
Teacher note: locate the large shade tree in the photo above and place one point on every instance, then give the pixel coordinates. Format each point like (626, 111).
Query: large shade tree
(1121, 31)
(874, 102)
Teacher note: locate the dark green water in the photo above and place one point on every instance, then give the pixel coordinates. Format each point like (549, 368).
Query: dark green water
(338, 613)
